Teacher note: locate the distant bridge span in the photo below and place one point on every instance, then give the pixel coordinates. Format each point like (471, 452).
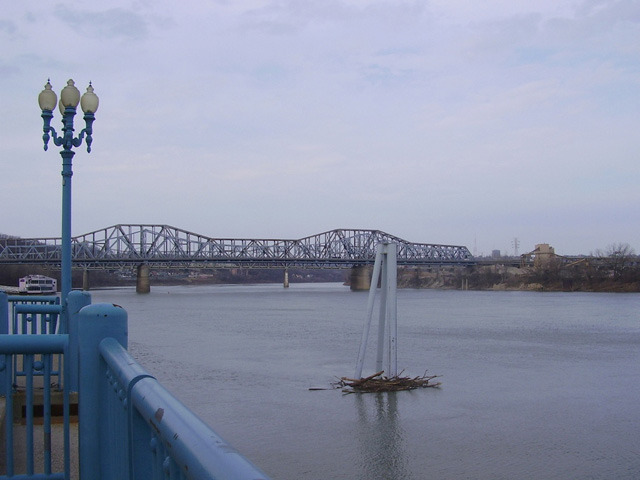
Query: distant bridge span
(163, 246)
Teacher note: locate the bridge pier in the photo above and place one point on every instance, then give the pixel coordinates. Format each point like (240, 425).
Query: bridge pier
(361, 277)
(286, 278)
(85, 280)
(143, 285)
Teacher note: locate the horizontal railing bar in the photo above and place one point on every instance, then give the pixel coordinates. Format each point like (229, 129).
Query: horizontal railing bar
(33, 344)
(37, 308)
(126, 370)
(39, 476)
(33, 298)
(196, 449)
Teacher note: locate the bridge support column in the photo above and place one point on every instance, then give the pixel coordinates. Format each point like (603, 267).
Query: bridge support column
(360, 277)
(286, 278)
(85, 280)
(143, 285)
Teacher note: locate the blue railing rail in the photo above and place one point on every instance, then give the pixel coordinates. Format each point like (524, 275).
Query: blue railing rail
(33, 311)
(37, 353)
(32, 315)
(158, 437)
(129, 425)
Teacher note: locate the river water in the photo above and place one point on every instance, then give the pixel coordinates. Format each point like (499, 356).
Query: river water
(534, 385)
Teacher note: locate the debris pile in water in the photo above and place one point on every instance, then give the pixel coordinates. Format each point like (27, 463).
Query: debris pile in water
(378, 383)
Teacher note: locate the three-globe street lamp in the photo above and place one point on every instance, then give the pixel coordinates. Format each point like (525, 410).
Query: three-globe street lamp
(69, 99)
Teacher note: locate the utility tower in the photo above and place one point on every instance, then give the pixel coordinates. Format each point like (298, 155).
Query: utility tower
(516, 244)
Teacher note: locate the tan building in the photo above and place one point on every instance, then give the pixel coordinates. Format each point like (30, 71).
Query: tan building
(543, 254)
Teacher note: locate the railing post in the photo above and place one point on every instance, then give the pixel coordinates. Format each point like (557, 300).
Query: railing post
(4, 329)
(95, 322)
(77, 301)
(4, 313)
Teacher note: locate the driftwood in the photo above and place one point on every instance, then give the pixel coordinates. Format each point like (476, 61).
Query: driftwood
(378, 383)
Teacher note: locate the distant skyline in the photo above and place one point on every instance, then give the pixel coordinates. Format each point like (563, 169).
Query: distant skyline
(436, 121)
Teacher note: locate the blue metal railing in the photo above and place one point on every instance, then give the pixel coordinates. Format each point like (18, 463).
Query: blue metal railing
(169, 439)
(30, 312)
(33, 315)
(35, 319)
(129, 425)
(29, 348)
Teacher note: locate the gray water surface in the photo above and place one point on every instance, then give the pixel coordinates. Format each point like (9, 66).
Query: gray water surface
(534, 385)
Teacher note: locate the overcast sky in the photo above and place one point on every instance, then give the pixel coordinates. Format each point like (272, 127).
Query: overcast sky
(439, 121)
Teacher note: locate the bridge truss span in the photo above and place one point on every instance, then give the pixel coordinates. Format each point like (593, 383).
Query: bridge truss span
(125, 245)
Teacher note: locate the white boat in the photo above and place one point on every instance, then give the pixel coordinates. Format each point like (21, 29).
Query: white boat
(37, 285)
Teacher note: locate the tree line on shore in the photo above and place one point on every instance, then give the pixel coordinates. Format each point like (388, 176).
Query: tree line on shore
(10, 274)
(554, 276)
(614, 270)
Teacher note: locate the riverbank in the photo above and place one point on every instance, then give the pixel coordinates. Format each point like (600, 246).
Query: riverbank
(500, 277)
(551, 277)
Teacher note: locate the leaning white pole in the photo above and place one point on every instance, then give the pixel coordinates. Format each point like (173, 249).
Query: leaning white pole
(392, 309)
(383, 309)
(367, 322)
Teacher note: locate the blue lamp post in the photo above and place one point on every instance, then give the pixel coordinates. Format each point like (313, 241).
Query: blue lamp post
(69, 99)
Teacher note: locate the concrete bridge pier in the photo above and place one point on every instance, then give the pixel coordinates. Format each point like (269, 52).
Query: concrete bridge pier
(85, 280)
(361, 277)
(143, 285)
(286, 278)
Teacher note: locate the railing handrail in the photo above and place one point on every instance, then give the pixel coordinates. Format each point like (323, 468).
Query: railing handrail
(33, 344)
(50, 299)
(156, 432)
(197, 450)
(37, 308)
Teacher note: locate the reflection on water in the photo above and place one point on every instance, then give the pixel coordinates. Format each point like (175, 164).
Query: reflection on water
(380, 436)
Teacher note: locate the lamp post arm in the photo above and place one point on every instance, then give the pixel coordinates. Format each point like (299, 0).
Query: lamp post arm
(89, 118)
(88, 131)
(57, 141)
(47, 129)
(78, 140)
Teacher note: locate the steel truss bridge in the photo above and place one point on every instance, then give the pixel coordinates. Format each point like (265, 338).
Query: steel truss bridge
(162, 246)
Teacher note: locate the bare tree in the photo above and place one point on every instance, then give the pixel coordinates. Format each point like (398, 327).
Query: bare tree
(620, 256)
